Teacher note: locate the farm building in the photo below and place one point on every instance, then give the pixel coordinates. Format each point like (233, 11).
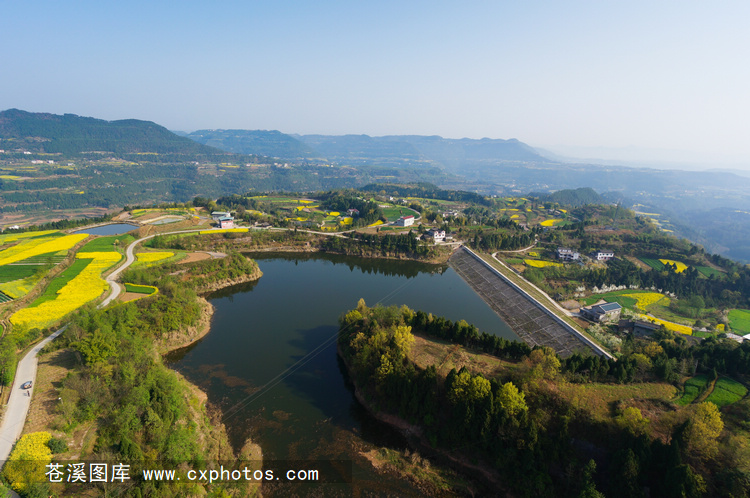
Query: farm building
(568, 254)
(602, 255)
(226, 222)
(602, 312)
(638, 328)
(405, 221)
(352, 212)
(217, 215)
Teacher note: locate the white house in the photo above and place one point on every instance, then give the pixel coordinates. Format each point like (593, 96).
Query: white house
(602, 255)
(435, 235)
(567, 254)
(405, 221)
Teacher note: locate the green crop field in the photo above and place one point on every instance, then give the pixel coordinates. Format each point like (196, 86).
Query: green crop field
(106, 244)
(394, 212)
(726, 392)
(693, 388)
(617, 296)
(739, 320)
(653, 263)
(708, 271)
(43, 259)
(8, 273)
(139, 289)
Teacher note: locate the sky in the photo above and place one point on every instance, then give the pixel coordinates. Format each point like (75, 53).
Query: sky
(661, 76)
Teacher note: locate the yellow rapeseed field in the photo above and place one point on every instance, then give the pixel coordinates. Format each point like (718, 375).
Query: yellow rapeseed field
(379, 222)
(150, 257)
(347, 221)
(334, 213)
(19, 288)
(84, 287)
(549, 223)
(12, 237)
(27, 462)
(35, 247)
(540, 264)
(681, 267)
(646, 298)
(674, 327)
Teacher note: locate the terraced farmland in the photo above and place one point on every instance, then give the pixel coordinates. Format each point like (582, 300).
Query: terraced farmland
(694, 387)
(77, 285)
(27, 257)
(727, 391)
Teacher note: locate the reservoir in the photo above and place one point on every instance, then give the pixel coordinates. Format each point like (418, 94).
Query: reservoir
(270, 363)
(111, 229)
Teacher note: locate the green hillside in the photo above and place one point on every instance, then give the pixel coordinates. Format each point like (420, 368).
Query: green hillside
(260, 142)
(70, 134)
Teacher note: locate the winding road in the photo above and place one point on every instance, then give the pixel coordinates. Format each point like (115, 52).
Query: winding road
(20, 399)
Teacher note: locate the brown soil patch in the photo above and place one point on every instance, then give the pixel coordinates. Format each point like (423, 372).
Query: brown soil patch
(130, 296)
(445, 356)
(570, 304)
(637, 262)
(192, 257)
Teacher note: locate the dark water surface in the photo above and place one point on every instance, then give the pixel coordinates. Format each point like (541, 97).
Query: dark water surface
(111, 229)
(270, 359)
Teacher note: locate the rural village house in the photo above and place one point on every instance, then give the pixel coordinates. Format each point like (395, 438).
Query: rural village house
(602, 312)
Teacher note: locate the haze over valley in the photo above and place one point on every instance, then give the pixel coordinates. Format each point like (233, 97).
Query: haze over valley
(261, 249)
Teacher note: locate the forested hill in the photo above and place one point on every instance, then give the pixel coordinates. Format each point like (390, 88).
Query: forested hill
(418, 149)
(571, 197)
(261, 142)
(70, 134)
(403, 150)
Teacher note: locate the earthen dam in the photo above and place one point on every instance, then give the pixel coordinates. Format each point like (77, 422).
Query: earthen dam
(529, 319)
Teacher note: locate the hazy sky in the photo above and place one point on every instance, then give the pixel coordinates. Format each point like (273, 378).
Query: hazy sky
(656, 74)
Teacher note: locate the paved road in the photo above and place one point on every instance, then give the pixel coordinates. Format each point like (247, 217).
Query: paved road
(130, 258)
(19, 401)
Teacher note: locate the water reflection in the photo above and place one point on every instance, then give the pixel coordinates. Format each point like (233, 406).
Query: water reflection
(388, 267)
(270, 363)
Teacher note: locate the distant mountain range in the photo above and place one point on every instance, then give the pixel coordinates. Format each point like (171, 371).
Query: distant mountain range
(689, 202)
(403, 150)
(70, 134)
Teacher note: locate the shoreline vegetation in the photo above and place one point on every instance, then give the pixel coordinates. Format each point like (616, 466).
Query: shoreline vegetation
(398, 247)
(525, 421)
(119, 401)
